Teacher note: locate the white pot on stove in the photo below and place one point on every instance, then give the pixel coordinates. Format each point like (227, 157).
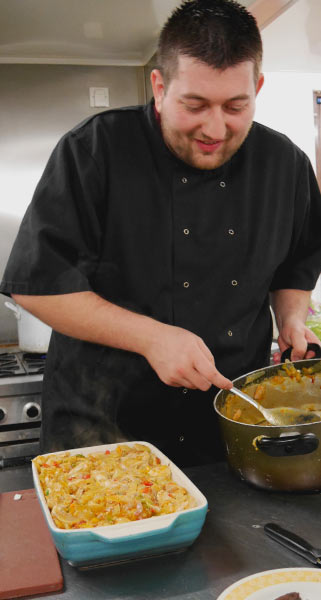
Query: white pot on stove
(33, 334)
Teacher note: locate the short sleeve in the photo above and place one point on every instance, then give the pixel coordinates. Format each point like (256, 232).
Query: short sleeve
(302, 266)
(58, 243)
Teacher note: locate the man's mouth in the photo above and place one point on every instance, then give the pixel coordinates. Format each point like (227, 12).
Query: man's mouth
(209, 146)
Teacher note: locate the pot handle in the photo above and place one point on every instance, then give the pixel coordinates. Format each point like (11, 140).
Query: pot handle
(314, 347)
(288, 445)
(12, 307)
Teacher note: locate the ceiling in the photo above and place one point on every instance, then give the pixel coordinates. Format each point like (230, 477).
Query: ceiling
(98, 32)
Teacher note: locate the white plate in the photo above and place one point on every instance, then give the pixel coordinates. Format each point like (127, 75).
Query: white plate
(269, 585)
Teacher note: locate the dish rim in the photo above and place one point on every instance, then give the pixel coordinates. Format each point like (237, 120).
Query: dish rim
(234, 587)
(143, 524)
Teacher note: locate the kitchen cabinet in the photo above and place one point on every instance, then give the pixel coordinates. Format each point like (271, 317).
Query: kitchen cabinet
(231, 545)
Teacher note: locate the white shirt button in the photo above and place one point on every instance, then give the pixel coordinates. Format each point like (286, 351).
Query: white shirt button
(186, 284)
(231, 231)
(230, 333)
(222, 184)
(184, 390)
(234, 282)
(184, 179)
(181, 438)
(186, 231)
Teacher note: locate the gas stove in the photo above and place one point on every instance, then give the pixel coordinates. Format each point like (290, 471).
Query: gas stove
(21, 363)
(21, 376)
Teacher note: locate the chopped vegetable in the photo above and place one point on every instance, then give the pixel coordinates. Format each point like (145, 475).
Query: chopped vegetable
(104, 488)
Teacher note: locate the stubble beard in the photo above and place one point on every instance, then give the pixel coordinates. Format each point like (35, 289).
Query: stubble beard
(184, 147)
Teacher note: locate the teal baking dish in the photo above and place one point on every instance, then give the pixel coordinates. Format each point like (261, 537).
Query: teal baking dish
(128, 541)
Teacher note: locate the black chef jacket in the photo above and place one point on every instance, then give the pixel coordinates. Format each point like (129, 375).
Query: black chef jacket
(117, 213)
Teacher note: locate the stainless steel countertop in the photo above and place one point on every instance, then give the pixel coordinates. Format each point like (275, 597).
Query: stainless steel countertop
(232, 543)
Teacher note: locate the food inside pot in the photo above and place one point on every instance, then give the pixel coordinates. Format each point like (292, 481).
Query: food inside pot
(289, 387)
(126, 484)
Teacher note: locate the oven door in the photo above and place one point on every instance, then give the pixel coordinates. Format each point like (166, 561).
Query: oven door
(20, 418)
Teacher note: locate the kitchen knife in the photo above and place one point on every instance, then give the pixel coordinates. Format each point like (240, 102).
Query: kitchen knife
(293, 542)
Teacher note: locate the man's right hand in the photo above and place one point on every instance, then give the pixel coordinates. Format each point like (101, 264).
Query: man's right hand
(181, 358)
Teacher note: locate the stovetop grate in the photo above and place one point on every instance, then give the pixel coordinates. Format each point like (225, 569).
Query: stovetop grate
(21, 363)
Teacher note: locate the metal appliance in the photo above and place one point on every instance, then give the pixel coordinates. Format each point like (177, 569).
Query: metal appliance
(21, 377)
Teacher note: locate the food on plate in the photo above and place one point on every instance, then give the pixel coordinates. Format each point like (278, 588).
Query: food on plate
(288, 387)
(126, 484)
(291, 596)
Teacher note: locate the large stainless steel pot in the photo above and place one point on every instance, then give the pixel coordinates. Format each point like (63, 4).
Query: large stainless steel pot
(33, 334)
(285, 458)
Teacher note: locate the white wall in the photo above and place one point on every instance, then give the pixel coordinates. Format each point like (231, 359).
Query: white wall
(292, 69)
(293, 41)
(38, 104)
(285, 103)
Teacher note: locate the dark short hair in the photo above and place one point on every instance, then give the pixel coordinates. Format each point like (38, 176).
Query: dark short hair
(219, 33)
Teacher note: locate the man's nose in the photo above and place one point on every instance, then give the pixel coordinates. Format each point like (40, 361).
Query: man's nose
(215, 126)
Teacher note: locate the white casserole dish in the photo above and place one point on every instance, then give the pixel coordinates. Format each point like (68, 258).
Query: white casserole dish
(124, 541)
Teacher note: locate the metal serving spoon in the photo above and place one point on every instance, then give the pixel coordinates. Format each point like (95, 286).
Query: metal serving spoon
(282, 415)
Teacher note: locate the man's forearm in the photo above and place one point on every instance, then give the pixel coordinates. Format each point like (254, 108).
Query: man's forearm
(290, 303)
(87, 316)
(179, 357)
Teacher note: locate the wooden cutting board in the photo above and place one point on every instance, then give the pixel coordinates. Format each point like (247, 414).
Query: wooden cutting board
(29, 563)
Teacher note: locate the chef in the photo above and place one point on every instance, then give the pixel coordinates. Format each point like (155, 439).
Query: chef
(156, 239)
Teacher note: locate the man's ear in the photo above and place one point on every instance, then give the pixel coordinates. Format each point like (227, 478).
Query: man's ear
(259, 83)
(158, 86)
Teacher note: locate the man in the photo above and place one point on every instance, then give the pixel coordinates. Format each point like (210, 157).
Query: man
(154, 239)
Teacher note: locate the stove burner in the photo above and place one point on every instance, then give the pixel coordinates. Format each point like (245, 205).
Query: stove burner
(7, 359)
(34, 363)
(25, 363)
(30, 357)
(6, 373)
(10, 365)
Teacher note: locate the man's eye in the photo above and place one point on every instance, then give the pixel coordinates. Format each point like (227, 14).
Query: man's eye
(236, 109)
(193, 108)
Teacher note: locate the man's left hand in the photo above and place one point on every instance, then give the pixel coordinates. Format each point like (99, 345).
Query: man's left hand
(294, 333)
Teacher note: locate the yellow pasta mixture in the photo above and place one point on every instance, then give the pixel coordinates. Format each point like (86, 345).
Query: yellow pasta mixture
(104, 488)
